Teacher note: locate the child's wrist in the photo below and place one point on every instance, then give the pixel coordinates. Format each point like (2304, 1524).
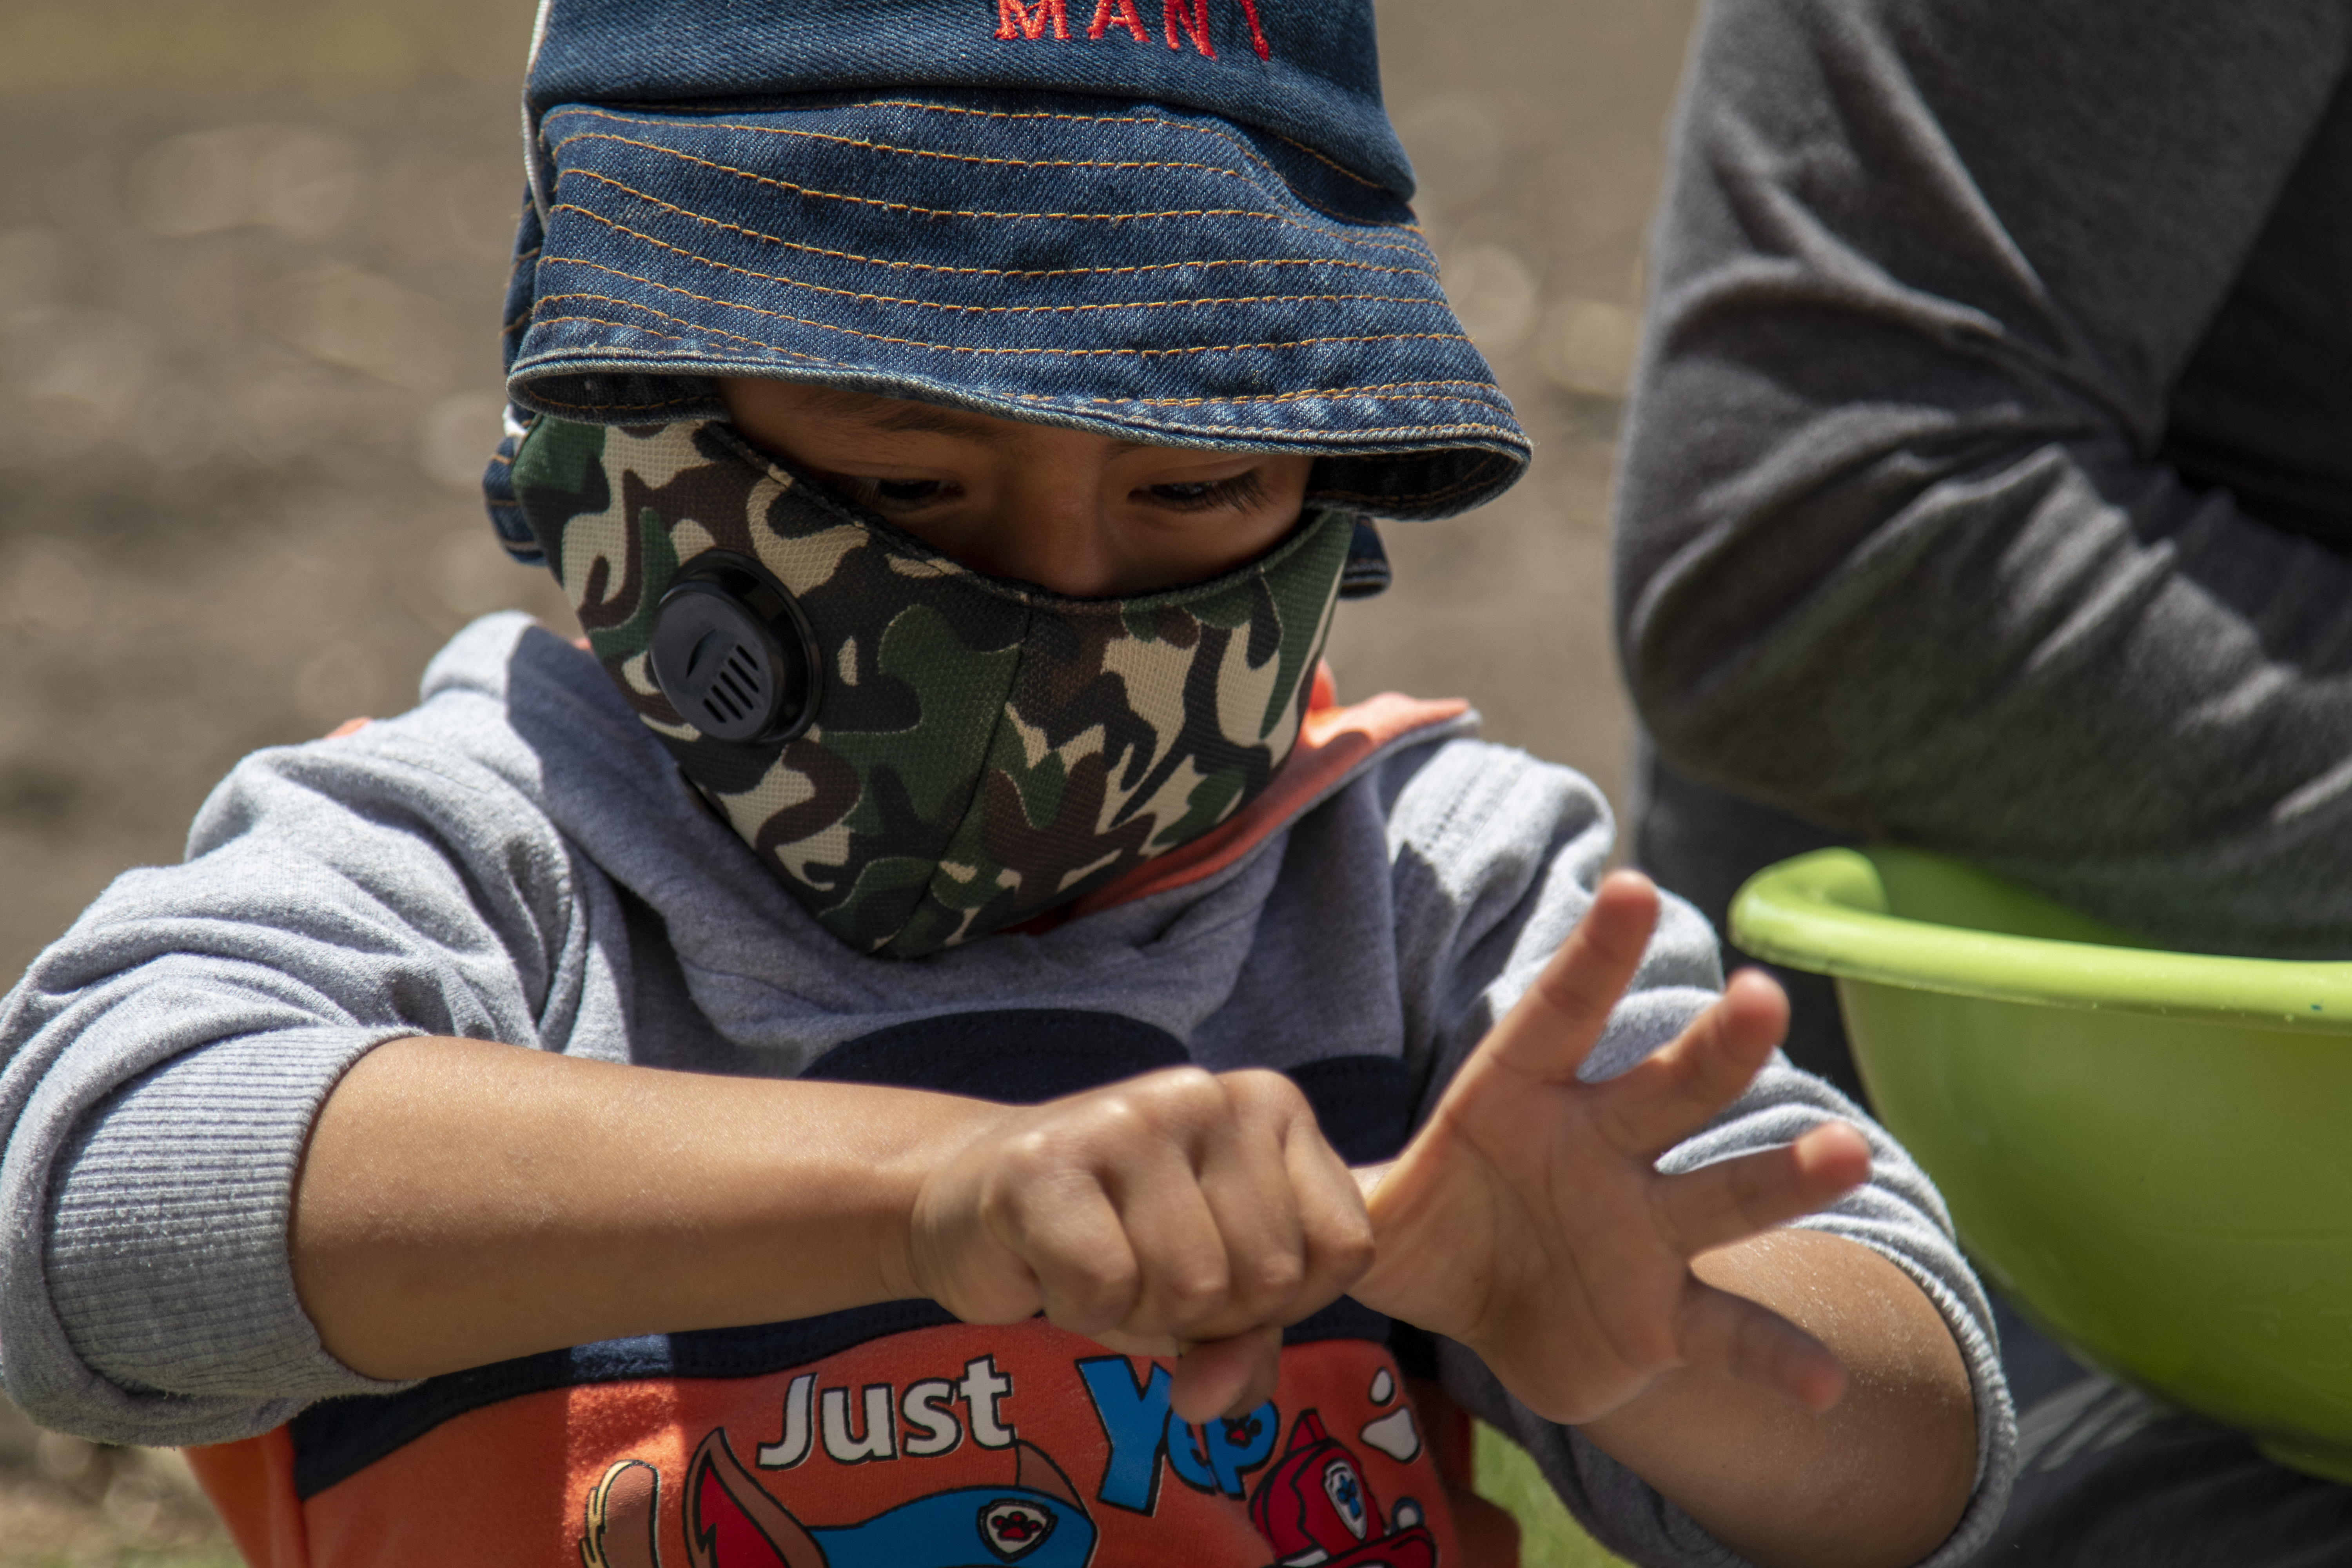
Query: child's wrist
(947, 1125)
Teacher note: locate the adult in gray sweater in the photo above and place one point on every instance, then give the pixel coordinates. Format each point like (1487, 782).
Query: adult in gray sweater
(1987, 486)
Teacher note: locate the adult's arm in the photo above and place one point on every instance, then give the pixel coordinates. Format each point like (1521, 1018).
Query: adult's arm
(1901, 546)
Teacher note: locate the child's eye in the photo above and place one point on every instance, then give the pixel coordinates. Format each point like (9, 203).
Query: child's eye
(1204, 495)
(901, 495)
(907, 492)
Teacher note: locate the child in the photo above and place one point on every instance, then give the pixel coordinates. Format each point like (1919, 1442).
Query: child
(949, 927)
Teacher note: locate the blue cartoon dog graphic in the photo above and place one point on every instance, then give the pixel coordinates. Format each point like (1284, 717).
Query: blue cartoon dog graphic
(1036, 1521)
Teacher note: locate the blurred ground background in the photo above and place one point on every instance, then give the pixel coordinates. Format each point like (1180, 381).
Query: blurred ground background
(250, 260)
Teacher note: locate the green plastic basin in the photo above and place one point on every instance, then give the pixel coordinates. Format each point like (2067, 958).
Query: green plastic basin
(2146, 1150)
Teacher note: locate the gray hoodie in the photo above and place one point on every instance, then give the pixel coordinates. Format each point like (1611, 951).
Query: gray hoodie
(516, 859)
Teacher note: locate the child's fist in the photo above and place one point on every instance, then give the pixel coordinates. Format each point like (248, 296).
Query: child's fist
(1179, 1209)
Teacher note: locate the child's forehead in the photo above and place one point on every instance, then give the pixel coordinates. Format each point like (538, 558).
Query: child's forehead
(1227, 261)
(782, 404)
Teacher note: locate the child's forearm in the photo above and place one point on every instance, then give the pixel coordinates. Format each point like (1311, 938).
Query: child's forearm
(461, 1203)
(1881, 1478)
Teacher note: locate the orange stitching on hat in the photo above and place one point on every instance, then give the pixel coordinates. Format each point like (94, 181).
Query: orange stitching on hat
(1039, 399)
(1244, 147)
(1369, 393)
(954, 211)
(1236, 142)
(1248, 153)
(1459, 430)
(1043, 400)
(684, 157)
(967, 349)
(765, 239)
(888, 147)
(1127, 18)
(1280, 430)
(1221, 401)
(682, 353)
(873, 299)
(1332, 165)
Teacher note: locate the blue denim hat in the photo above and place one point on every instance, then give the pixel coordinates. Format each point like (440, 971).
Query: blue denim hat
(1182, 222)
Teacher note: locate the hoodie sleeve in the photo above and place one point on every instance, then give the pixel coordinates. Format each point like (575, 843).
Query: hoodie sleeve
(1496, 856)
(165, 1058)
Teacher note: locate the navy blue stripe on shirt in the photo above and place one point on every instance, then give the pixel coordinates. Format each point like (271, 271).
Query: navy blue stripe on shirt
(1020, 1055)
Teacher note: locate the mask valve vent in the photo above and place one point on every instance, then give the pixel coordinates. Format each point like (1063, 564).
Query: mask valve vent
(733, 653)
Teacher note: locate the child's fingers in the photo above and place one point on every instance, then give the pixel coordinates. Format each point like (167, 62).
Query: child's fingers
(1185, 1275)
(1733, 1337)
(1088, 1276)
(1227, 1376)
(1732, 1199)
(1245, 1181)
(1290, 1214)
(1678, 1090)
(1548, 1035)
(1333, 1221)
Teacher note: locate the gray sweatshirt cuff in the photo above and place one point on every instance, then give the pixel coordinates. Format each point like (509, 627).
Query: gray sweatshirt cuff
(167, 1255)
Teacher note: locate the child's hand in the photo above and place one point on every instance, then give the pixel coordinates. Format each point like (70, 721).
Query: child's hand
(1178, 1212)
(1528, 1222)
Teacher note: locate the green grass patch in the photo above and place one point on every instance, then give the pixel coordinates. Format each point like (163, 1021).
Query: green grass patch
(1548, 1537)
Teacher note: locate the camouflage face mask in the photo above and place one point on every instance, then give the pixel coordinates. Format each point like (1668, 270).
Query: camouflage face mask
(962, 752)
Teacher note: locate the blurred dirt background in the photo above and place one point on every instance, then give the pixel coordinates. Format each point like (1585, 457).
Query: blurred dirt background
(251, 254)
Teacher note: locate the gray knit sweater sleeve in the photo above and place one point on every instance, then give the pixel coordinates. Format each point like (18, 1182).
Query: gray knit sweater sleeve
(1997, 385)
(171, 1051)
(1482, 903)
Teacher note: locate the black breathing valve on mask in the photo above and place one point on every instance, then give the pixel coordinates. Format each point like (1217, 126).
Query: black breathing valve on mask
(733, 653)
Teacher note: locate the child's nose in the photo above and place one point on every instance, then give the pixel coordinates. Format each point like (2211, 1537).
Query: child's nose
(1054, 529)
(1073, 559)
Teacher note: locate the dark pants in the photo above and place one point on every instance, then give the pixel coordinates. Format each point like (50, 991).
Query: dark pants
(2109, 1479)
(2106, 1476)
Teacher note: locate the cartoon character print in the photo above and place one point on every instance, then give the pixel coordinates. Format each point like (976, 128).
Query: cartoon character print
(731, 1521)
(1038, 1454)
(1315, 1508)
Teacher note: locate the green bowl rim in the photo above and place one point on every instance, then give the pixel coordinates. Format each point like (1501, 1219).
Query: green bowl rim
(1826, 913)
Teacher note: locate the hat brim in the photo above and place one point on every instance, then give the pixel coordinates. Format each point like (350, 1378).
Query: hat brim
(1150, 273)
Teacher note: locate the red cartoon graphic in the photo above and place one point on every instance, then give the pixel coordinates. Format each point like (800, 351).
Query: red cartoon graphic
(1316, 1509)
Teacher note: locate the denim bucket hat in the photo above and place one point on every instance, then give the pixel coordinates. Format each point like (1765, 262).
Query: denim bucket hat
(1180, 222)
